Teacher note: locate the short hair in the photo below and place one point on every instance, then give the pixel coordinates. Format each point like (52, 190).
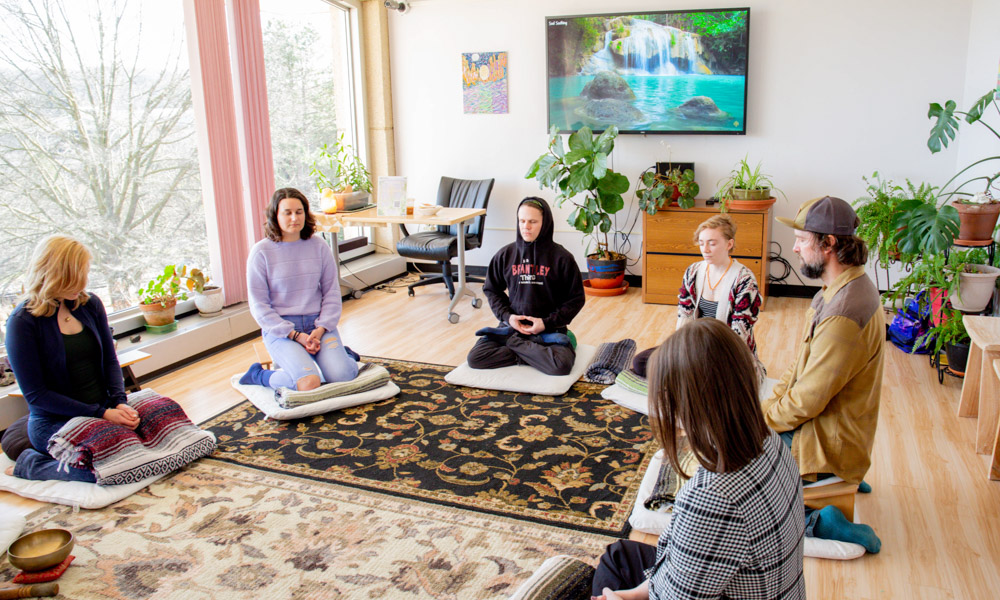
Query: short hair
(271, 228)
(59, 265)
(850, 249)
(704, 378)
(723, 222)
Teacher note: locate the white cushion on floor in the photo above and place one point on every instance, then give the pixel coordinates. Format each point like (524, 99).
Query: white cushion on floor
(642, 519)
(522, 378)
(832, 549)
(627, 398)
(11, 526)
(70, 493)
(263, 398)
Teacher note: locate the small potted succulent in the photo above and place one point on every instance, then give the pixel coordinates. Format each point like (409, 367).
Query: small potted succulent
(342, 179)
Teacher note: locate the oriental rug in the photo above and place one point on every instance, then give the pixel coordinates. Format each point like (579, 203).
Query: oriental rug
(574, 460)
(217, 531)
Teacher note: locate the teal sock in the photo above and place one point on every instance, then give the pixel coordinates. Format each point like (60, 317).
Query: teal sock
(864, 488)
(833, 525)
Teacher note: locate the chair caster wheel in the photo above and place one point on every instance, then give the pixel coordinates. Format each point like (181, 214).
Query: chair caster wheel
(453, 318)
(477, 303)
(357, 294)
(410, 293)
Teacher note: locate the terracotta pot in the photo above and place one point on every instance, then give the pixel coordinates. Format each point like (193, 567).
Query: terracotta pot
(606, 274)
(590, 291)
(976, 221)
(763, 204)
(159, 314)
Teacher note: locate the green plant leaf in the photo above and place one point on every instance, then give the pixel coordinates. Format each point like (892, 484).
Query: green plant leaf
(580, 178)
(923, 229)
(582, 222)
(611, 203)
(600, 166)
(574, 155)
(613, 183)
(605, 224)
(605, 143)
(582, 138)
(976, 112)
(944, 128)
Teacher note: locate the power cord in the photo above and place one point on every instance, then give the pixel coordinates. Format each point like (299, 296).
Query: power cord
(775, 257)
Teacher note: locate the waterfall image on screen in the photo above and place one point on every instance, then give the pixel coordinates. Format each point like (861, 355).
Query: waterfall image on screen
(666, 72)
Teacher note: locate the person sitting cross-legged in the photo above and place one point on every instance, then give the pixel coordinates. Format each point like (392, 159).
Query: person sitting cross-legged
(534, 287)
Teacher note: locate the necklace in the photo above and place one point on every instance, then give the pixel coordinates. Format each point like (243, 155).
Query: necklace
(708, 275)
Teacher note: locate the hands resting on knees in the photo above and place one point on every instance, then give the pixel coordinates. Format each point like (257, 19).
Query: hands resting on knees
(123, 415)
(527, 325)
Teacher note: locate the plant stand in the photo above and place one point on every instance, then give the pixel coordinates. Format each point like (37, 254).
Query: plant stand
(940, 364)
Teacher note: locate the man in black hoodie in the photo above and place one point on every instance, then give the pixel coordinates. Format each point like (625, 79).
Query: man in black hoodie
(535, 289)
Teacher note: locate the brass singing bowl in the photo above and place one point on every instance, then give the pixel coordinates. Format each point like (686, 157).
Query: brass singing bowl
(40, 550)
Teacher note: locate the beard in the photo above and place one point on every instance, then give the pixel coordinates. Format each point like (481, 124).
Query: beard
(812, 271)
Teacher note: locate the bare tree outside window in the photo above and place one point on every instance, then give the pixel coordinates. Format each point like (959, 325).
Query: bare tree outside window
(97, 140)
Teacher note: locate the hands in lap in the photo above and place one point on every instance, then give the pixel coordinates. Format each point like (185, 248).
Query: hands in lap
(526, 325)
(123, 415)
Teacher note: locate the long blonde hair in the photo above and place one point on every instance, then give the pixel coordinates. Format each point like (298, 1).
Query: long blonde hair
(59, 265)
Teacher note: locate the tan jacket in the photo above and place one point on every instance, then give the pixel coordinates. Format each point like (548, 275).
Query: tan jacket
(832, 391)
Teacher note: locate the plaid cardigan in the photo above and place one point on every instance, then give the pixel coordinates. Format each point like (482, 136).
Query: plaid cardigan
(735, 535)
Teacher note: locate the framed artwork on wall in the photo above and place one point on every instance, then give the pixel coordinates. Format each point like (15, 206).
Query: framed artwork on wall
(484, 82)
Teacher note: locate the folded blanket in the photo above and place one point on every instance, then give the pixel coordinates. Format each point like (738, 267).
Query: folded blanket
(610, 360)
(632, 382)
(369, 377)
(164, 441)
(668, 483)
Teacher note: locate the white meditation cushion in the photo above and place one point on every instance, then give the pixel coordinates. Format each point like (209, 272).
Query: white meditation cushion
(640, 404)
(522, 378)
(647, 521)
(70, 493)
(11, 526)
(263, 398)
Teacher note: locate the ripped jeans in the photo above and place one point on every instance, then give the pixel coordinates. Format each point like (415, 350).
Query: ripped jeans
(331, 363)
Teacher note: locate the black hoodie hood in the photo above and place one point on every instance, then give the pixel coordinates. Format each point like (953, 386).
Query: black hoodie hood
(545, 233)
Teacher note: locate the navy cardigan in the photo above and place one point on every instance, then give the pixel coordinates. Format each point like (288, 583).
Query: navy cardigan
(38, 359)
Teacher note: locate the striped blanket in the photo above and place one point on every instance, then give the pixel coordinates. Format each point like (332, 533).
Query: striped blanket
(164, 441)
(370, 377)
(610, 360)
(632, 382)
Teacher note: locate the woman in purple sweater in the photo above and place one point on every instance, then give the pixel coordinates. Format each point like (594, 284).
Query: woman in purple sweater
(295, 297)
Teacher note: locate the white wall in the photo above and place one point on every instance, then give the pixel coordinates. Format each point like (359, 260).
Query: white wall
(836, 91)
(975, 141)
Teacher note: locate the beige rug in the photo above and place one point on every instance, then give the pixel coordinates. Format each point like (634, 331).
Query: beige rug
(216, 531)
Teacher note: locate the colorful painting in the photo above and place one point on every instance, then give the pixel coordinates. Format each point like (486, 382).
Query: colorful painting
(484, 82)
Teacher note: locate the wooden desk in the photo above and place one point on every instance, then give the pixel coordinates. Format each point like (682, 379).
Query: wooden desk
(980, 388)
(446, 217)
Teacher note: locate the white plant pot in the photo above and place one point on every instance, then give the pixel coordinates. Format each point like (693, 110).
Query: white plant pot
(976, 289)
(210, 301)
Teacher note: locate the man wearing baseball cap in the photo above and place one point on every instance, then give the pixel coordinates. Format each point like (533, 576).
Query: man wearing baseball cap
(826, 404)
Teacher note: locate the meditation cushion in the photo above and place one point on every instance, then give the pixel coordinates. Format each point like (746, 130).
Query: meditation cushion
(71, 493)
(625, 392)
(654, 522)
(370, 377)
(559, 578)
(11, 526)
(522, 378)
(264, 399)
(15, 438)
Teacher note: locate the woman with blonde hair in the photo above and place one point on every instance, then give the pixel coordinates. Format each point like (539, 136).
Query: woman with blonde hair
(718, 287)
(63, 356)
(738, 523)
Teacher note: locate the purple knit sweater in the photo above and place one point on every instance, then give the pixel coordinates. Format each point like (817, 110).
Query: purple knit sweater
(292, 278)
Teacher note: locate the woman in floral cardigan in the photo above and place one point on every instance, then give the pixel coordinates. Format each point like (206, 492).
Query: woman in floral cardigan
(718, 287)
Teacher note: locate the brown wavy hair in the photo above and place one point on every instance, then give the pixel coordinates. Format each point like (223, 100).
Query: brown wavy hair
(59, 265)
(704, 379)
(271, 228)
(850, 249)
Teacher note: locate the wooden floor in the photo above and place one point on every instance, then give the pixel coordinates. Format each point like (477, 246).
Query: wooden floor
(937, 514)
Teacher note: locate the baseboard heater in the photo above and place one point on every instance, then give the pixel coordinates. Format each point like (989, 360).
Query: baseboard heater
(362, 273)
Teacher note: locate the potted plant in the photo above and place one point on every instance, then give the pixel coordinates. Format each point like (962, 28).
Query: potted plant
(972, 215)
(877, 213)
(208, 298)
(655, 191)
(158, 298)
(580, 176)
(342, 179)
(950, 334)
(746, 188)
(961, 278)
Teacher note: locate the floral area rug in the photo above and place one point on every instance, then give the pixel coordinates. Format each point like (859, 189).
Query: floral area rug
(574, 460)
(220, 531)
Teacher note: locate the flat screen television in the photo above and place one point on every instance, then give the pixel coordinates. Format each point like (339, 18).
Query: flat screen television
(678, 71)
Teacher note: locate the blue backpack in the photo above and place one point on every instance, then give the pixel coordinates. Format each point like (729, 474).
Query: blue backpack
(911, 322)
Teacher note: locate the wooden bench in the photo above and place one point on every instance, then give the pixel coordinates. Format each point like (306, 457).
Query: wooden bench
(840, 494)
(263, 356)
(981, 388)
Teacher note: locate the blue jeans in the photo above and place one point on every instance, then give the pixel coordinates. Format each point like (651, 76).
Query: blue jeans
(331, 363)
(36, 464)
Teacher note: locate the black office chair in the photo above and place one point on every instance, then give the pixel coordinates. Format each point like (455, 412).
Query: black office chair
(441, 245)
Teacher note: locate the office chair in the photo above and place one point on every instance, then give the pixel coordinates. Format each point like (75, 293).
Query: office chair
(441, 245)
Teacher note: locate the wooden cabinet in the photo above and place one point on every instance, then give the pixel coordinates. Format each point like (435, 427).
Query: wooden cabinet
(668, 248)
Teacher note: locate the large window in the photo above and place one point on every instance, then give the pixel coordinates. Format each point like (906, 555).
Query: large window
(97, 140)
(311, 65)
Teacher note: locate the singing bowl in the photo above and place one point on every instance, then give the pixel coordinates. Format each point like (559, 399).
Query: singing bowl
(40, 550)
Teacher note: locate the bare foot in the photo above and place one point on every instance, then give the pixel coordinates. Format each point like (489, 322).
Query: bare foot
(10, 471)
